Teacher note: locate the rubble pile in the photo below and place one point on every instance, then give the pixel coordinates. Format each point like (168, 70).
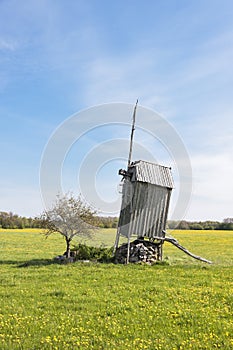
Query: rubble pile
(139, 251)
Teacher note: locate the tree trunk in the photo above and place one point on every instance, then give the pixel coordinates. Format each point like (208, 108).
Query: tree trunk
(67, 247)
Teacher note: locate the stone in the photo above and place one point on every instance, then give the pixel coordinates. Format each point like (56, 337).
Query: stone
(140, 251)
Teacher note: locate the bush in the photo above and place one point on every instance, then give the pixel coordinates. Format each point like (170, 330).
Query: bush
(100, 254)
(196, 226)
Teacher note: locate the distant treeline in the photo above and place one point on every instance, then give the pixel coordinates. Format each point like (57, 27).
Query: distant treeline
(227, 224)
(14, 221)
(107, 222)
(10, 220)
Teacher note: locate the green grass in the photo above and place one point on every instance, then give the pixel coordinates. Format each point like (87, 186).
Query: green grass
(184, 304)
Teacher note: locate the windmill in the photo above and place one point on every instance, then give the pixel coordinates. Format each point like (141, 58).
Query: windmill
(146, 194)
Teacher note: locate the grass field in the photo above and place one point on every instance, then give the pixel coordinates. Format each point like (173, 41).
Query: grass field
(183, 304)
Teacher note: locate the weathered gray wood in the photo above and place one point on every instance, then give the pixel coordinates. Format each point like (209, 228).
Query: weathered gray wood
(176, 243)
(131, 138)
(116, 241)
(128, 250)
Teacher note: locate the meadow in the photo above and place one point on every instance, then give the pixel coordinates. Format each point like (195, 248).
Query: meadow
(178, 304)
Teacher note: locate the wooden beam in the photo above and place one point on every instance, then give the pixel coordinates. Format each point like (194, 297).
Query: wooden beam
(176, 244)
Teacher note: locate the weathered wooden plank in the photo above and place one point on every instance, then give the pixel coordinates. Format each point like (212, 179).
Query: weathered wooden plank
(179, 246)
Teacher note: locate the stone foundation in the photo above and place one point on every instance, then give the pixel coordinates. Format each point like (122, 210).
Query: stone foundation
(140, 251)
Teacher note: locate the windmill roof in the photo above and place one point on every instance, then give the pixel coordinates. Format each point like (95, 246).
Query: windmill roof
(151, 173)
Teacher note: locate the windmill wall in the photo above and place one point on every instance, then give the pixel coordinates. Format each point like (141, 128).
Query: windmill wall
(145, 200)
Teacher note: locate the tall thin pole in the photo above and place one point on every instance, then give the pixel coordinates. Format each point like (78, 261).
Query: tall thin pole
(127, 179)
(132, 132)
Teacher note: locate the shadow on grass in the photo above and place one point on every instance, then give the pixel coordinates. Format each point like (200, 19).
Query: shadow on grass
(33, 262)
(39, 262)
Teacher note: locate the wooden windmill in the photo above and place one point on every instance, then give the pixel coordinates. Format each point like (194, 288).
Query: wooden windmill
(145, 203)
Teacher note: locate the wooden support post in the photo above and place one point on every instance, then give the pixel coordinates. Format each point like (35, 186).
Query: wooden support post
(128, 249)
(117, 239)
(160, 252)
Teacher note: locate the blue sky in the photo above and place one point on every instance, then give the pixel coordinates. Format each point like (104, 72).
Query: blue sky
(58, 58)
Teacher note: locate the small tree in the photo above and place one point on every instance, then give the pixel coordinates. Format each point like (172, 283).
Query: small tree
(70, 217)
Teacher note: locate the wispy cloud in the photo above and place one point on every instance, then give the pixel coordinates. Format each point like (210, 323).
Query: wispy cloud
(7, 45)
